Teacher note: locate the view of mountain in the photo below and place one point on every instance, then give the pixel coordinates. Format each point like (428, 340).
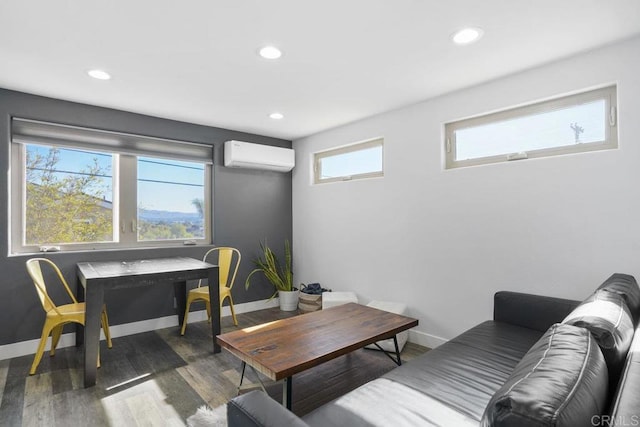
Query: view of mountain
(168, 216)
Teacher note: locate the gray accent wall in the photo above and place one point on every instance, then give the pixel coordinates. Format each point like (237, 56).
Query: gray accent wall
(248, 206)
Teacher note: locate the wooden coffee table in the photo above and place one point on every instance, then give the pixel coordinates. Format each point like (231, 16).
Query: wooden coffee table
(286, 347)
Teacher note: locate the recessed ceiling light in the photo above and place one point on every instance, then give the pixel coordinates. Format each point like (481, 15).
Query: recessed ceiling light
(276, 116)
(270, 52)
(99, 74)
(467, 35)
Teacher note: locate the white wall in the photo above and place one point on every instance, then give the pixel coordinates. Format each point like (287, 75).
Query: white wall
(445, 240)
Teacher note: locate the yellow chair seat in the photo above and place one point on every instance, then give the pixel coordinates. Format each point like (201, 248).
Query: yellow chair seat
(76, 309)
(203, 292)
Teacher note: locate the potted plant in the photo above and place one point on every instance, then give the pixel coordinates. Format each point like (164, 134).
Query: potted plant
(280, 276)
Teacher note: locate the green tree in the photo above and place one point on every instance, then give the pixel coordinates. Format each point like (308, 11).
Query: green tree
(163, 231)
(199, 205)
(65, 207)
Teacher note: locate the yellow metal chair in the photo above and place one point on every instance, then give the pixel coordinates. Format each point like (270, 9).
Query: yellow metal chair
(226, 263)
(57, 315)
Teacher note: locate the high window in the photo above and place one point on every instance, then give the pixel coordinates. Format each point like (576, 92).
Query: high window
(75, 188)
(571, 124)
(355, 161)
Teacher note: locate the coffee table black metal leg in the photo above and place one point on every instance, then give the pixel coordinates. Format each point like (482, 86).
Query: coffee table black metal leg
(397, 360)
(286, 392)
(395, 343)
(244, 366)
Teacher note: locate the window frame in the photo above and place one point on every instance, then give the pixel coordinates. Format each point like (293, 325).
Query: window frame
(125, 201)
(608, 94)
(346, 149)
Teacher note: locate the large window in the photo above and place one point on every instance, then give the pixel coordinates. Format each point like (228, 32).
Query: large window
(355, 161)
(571, 124)
(76, 188)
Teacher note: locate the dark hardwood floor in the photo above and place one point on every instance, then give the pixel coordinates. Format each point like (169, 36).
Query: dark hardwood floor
(160, 378)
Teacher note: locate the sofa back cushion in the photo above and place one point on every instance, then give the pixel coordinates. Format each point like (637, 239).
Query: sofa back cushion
(627, 287)
(530, 311)
(606, 316)
(561, 381)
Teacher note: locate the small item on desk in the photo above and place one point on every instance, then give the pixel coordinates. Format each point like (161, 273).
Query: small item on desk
(189, 243)
(49, 249)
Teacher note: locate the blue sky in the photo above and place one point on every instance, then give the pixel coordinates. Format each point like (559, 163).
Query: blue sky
(545, 130)
(180, 183)
(356, 162)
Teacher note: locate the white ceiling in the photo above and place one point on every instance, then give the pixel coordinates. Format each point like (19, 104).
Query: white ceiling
(343, 60)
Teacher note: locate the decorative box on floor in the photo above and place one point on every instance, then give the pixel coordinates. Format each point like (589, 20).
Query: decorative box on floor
(392, 307)
(331, 299)
(309, 302)
(311, 297)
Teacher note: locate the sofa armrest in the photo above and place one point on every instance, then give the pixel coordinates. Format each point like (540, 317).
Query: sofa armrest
(530, 311)
(625, 408)
(257, 409)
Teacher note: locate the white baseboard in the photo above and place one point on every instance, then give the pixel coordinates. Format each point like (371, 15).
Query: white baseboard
(24, 348)
(425, 340)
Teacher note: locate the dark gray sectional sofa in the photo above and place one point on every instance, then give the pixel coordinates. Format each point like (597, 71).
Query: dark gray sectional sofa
(541, 361)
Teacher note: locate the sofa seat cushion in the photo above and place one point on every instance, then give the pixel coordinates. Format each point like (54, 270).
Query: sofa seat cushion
(455, 380)
(561, 381)
(385, 403)
(461, 374)
(465, 372)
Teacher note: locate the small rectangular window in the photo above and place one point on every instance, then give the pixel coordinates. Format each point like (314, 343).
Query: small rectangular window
(355, 161)
(571, 124)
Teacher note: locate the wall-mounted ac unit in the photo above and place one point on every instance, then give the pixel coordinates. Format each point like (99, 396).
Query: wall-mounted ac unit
(238, 154)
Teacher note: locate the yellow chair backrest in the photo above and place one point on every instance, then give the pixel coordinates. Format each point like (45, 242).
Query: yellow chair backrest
(35, 271)
(225, 264)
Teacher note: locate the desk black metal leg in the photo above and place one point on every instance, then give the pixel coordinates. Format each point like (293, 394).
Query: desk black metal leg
(180, 292)
(214, 298)
(286, 392)
(79, 327)
(93, 310)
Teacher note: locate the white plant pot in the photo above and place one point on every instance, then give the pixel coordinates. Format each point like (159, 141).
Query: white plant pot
(289, 300)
